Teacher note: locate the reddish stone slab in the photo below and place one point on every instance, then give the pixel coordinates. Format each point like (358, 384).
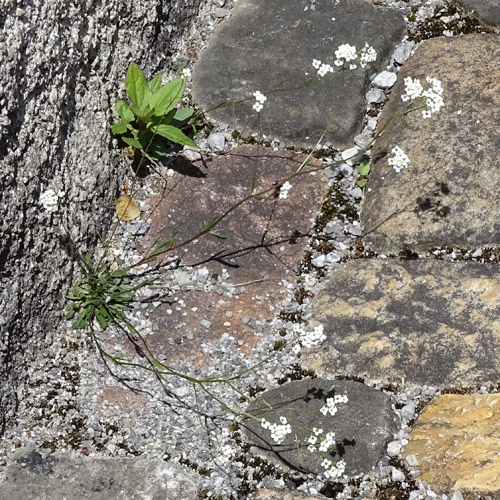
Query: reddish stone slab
(267, 238)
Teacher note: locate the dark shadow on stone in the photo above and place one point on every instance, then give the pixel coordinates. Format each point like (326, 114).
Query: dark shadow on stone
(185, 167)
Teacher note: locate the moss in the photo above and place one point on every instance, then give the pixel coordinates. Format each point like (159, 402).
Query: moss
(335, 205)
(296, 372)
(434, 26)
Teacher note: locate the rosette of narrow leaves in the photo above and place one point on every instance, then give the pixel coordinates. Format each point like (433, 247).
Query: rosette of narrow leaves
(102, 294)
(152, 113)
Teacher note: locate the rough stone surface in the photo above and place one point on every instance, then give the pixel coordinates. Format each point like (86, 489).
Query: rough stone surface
(62, 69)
(266, 239)
(418, 322)
(444, 197)
(362, 427)
(59, 478)
(456, 443)
(261, 47)
(266, 494)
(486, 11)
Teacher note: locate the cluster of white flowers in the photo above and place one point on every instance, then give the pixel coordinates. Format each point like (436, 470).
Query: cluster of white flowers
(326, 442)
(332, 469)
(284, 190)
(261, 99)
(49, 199)
(186, 73)
(307, 339)
(331, 404)
(278, 431)
(434, 94)
(366, 55)
(398, 160)
(344, 54)
(322, 68)
(347, 54)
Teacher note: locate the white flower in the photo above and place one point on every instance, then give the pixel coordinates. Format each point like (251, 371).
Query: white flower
(316, 63)
(314, 338)
(434, 95)
(399, 159)
(324, 69)
(296, 348)
(328, 442)
(50, 200)
(258, 107)
(259, 97)
(345, 53)
(367, 54)
(333, 470)
(278, 432)
(186, 73)
(284, 190)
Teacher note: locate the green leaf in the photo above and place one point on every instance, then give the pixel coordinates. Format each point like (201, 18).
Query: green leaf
(137, 87)
(210, 224)
(364, 168)
(124, 112)
(181, 115)
(168, 96)
(155, 84)
(132, 142)
(121, 272)
(83, 318)
(119, 128)
(362, 183)
(220, 235)
(173, 134)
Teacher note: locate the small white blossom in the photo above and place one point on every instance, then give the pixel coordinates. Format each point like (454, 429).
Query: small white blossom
(284, 190)
(296, 348)
(367, 54)
(317, 432)
(328, 442)
(278, 432)
(333, 470)
(258, 107)
(324, 69)
(186, 73)
(398, 160)
(259, 97)
(49, 199)
(316, 63)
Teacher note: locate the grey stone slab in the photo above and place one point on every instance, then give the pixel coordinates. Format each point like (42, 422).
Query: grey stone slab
(270, 44)
(32, 477)
(423, 322)
(363, 426)
(486, 11)
(450, 193)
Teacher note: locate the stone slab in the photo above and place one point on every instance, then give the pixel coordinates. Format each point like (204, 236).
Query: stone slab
(268, 45)
(267, 239)
(486, 11)
(449, 194)
(363, 426)
(265, 494)
(456, 443)
(423, 322)
(53, 477)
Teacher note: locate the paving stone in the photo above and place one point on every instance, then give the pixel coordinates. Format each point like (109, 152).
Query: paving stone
(423, 322)
(59, 478)
(266, 494)
(486, 11)
(446, 197)
(266, 239)
(270, 44)
(363, 426)
(456, 443)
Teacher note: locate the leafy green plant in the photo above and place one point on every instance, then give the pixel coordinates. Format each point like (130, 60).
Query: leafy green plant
(102, 294)
(152, 115)
(364, 171)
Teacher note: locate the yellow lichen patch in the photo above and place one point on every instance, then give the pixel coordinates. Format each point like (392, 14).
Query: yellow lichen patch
(488, 288)
(455, 441)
